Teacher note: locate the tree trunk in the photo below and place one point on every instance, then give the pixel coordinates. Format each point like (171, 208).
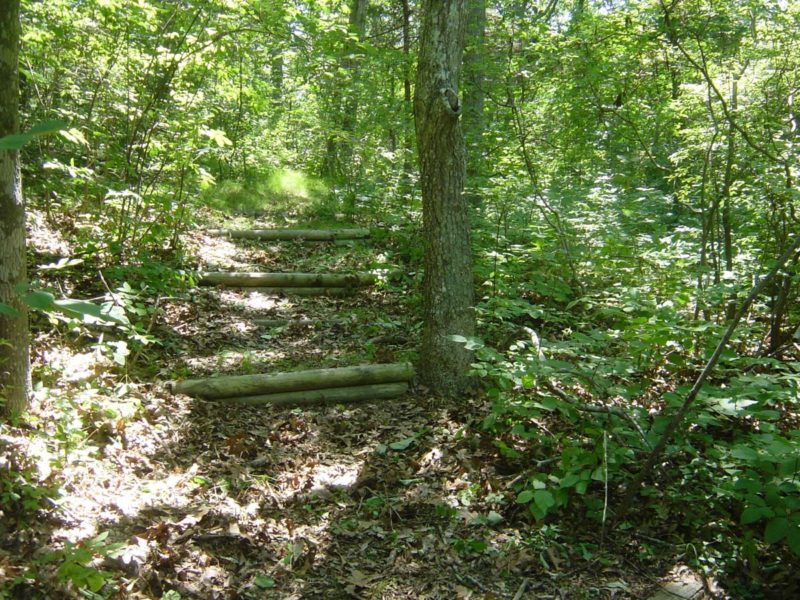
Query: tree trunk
(448, 293)
(727, 200)
(235, 386)
(339, 145)
(14, 359)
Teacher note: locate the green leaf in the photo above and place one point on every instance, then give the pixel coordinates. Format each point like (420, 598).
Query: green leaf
(751, 514)
(39, 300)
(793, 539)
(62, 263)
(776, 530)
(745, 453)
(95, 581)
(18, 140)
(525, 497)
(264, 582)
(494, 518)
(543, 499)
(402, 444)
(10, 311)
(81, 307)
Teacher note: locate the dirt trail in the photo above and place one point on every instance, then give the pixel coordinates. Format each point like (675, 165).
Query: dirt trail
(394, 499)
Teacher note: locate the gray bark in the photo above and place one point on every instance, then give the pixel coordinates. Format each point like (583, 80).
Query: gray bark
(448, 292)
(14, 358)
(307, 235)
(236, 386)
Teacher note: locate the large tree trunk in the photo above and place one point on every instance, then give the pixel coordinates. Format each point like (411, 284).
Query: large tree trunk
(14, 359)
(448, 293)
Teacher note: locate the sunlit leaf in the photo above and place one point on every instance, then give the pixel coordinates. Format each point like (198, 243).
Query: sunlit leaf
(402, 444)
(18, 140)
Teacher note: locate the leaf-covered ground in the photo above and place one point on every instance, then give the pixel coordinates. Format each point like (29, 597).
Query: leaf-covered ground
(394, 499)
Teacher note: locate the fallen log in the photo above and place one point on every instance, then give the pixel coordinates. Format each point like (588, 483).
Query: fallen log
(315, 379)
(308, 235)
(336, 292)
(286, 322)
(339, 395)
(301, 280)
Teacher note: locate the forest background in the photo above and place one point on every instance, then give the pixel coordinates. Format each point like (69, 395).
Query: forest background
(631, 174)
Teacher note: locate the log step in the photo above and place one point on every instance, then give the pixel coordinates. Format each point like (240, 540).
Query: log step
(379, 391)
(306, 235)
(237, 386)
(286, 322)
(337, 292)
(289, 280)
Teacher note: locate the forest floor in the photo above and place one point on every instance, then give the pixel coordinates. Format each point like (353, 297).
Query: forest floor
(393, 499)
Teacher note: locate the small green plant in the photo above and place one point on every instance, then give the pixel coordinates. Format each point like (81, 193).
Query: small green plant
(75, 562)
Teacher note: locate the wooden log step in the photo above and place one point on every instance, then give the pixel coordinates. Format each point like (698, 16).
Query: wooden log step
(286, 322)
(336, 292)
(283, 322)
(232, 386)
(296, 280)
(306, 235)
(341, 395)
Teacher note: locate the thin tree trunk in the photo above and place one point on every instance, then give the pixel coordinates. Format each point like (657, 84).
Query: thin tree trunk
(473, 94)
(727, 232)
(14, 359)
(448, 291)
(339, 145)
(407, 100)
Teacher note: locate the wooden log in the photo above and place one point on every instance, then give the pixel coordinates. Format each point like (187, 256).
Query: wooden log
(315, 379)
(301, 280)
(286, 322)
(334, 292)
(307, 235)
(339, 395)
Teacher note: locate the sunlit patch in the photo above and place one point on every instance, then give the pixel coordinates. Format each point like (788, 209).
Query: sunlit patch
(235, 360)
(336, 476)
(254, 300)
(219, 252)
(288, 182)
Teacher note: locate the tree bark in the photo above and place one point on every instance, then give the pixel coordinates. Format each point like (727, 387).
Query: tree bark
(308, 235)
(14, 358)
(340, 395)
(448, 292)
(234, 386)
(330, 280)
(473, 94)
